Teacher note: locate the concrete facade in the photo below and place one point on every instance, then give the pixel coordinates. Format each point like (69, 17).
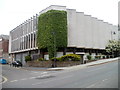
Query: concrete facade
(85, 31)
(86, 34)
(119, 20)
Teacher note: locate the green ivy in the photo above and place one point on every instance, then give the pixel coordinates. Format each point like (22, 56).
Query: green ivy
(52, 31)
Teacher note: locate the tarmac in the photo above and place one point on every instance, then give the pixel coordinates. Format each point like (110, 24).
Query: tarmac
(98, 62)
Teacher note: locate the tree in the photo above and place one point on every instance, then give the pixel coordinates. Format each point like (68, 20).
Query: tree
(52, 31)
(113, 48)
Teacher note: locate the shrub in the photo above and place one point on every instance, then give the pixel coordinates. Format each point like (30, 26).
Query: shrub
(56, 58)
(28, 58)
(89, 57)
(104, 57)
(71, 57)
(111, 56)
(108, 56)
(97, 57)
(68, 57)
(40, 59)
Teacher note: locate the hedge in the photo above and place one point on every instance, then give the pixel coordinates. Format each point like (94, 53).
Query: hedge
(89, 57)
(68, 57)
(28, 58)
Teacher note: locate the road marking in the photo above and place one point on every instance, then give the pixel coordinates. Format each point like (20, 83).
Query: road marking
(32, 77)
(17, 68)
(14, 81)
(38, 76)
(5, 79)
(24, 79)
(104, 80)
(45, 75)
(52, 80)
(91, 85)
(95, 69)
(44, 72)
(96, 83)
(34, 72)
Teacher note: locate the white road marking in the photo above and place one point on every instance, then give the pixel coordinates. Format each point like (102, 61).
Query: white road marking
(38, 76)
(44, 72)
(14, 81)
(45, 75)
(104, 80)
(52, 80)
(34, 72)
(91, 85)
(24, 79)
(32, 77)
(5, 79)
(96, 83)
(28, 78)
(95, 69)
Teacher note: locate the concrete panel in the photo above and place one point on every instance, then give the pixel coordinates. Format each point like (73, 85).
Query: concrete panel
(95, 33)
(59, 54)
(71, 18)
(88, 33)
(80, 32)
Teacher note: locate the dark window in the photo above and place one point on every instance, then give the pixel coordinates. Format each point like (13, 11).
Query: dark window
(34, 39)
(31, 40)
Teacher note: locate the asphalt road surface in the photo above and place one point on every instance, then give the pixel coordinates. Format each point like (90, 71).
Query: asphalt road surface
(98, 76)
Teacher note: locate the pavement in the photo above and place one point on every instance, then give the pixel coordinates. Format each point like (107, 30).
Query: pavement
(102, 61)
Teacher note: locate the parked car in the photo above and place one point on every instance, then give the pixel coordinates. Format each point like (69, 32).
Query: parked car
(3, 61)
(16, 64)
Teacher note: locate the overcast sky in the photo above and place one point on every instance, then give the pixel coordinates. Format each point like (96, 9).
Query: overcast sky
(15, 12)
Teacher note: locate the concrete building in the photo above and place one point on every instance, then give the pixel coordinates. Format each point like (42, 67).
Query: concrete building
(4, 44)
(86, 35)
(119, 20)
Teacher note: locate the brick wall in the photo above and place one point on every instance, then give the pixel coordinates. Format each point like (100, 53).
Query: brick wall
(1, 49)
(5, 45)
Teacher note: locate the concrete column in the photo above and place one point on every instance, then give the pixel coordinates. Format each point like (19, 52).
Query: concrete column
(64, 51)
(74, 50)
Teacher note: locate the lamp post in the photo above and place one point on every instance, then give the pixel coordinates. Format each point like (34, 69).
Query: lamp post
(54, 65)
(112, 35)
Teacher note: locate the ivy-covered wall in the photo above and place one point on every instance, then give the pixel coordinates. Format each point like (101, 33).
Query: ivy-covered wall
(52, 31)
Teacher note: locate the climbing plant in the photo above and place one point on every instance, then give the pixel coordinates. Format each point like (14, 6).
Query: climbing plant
(52, 31)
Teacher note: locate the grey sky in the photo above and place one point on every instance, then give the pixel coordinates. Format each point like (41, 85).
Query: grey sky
(15, 12)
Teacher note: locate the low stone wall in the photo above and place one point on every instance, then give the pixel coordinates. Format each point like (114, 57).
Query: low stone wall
(49, 63)
(67, 63)
(39, 63)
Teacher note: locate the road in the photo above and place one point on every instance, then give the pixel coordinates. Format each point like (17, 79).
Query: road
(98, 76)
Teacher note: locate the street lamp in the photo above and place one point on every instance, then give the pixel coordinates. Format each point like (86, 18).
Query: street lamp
(112, 33)
(54, 65)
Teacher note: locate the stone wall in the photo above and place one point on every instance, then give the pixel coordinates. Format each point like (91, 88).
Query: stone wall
(49, 63)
